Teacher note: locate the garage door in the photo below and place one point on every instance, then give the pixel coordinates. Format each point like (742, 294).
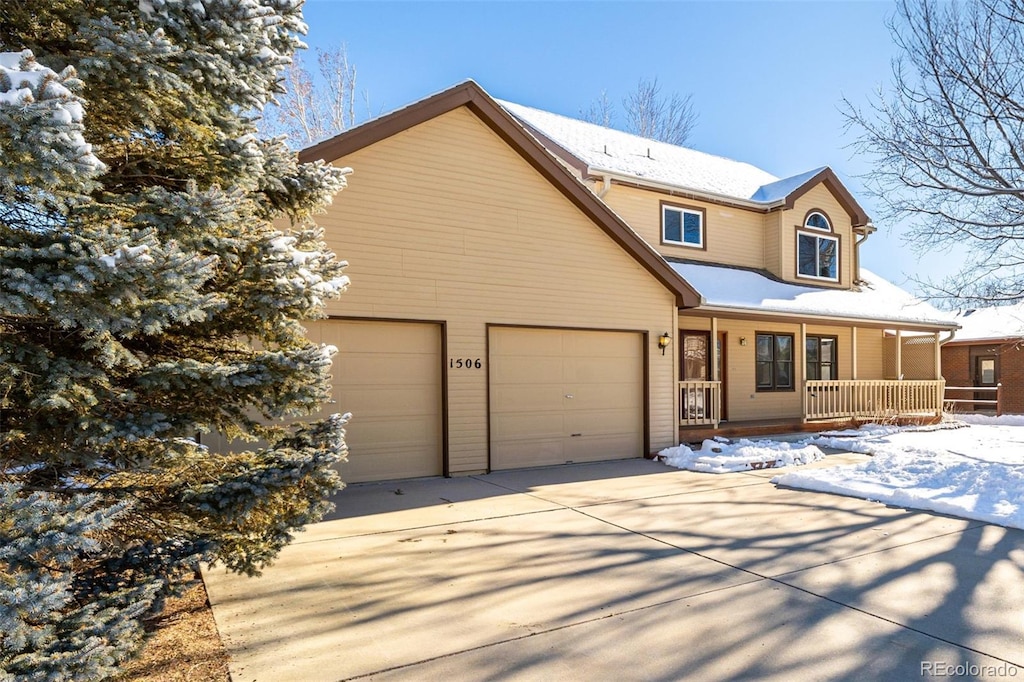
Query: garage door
(559, 396)
(388, 375)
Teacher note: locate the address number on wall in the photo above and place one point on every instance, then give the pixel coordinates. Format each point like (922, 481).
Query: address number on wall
(465, 363)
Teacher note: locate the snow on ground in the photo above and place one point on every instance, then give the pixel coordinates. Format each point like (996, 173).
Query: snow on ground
(722, 456)
(974, 471)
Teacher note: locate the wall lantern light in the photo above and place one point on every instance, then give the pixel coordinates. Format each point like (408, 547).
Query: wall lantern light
(743, 340)
(663, 341)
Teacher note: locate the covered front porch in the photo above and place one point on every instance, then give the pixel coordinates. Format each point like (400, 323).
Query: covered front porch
(759, 377)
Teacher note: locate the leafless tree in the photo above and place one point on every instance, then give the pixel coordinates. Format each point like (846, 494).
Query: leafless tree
(648, 113)
(601, 111)
(318, 105)
(949, 141)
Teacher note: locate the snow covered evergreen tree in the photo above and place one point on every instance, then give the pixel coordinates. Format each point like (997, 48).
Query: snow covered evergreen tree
(147, 297)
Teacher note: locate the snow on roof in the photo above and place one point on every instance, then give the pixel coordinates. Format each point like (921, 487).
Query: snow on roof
(781, 189)
(876, 299)
(623, 153)
(995, 322)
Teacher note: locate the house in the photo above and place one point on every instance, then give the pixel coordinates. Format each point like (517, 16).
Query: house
(528, 290)
(987, 352)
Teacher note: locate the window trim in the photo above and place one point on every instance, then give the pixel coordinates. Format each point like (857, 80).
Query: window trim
(835, 356)
(683, 209)
(819, 235)
(828, 221)
(775, 388)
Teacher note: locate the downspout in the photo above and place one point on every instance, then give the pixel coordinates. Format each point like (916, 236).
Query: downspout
(606, 185)
(868, 229)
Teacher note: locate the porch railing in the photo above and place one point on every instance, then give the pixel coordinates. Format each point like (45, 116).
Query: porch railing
(700, 403)
(872, 399)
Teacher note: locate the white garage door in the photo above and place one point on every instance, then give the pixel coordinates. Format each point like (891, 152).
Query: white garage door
(559, 396)
(388, 375)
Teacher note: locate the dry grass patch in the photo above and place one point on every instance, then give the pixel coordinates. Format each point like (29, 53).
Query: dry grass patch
(183, 644)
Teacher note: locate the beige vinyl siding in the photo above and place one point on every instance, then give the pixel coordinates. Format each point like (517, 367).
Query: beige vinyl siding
(820, 198)
(733, 236)
(773, 242)
(869, 354)
(446, 222)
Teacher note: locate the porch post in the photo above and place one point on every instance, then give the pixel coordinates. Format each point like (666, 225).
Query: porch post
(853, 351)
(899, 354)
(714, 350)
(800, 360)
(938, 357)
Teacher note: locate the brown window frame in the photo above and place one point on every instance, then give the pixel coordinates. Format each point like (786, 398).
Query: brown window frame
(703, 246)
(775, 387)
(835, 357)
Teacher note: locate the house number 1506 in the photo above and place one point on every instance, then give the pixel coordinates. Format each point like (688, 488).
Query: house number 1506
(465, 363)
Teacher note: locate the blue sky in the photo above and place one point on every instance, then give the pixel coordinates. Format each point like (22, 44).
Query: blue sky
(767, 78)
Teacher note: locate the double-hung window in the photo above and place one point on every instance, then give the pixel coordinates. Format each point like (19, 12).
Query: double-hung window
(774, 366)
(821, 358)
(682, 226)
(817, 255)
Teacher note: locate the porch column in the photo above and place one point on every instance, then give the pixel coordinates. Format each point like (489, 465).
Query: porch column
(853, 351)
(714, 350)
(899, 354)
(938, 357)
(800, 360)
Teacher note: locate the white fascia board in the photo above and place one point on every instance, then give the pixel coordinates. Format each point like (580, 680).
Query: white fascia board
(874, 322)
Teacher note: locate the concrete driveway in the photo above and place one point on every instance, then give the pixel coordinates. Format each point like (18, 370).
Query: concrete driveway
(627, 570)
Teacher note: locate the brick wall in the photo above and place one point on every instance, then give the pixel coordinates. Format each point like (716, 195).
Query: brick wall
(958, 370)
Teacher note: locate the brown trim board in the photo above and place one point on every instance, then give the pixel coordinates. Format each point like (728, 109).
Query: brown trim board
(503, 124)
(831, 181)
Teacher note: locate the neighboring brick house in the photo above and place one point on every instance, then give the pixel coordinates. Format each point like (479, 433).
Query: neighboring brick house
(987, 351)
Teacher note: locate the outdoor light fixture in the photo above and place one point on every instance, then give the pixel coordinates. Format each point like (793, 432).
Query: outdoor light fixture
(663, 342)
(743, 340)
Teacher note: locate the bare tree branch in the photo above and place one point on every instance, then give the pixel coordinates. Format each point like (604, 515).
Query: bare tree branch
(648, 113)
(314, 107)
(947, 140)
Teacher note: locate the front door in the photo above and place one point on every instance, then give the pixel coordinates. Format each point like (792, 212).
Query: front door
(694, 365)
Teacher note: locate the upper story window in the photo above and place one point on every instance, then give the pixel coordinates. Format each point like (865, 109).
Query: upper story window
(817, 255)
(682, 226)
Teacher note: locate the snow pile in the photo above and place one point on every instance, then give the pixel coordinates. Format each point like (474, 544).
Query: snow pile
(721, 456)
(974, 472)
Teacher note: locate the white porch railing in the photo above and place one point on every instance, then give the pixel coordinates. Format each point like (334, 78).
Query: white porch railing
(700, 403)
(872, 399)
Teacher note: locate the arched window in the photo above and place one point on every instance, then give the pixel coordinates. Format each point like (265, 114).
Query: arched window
(817, 255)
(818, 221)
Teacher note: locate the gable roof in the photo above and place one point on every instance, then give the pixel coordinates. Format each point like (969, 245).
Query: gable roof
(472, 96)
(994, 323)
(606, 151)
(754, 292)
